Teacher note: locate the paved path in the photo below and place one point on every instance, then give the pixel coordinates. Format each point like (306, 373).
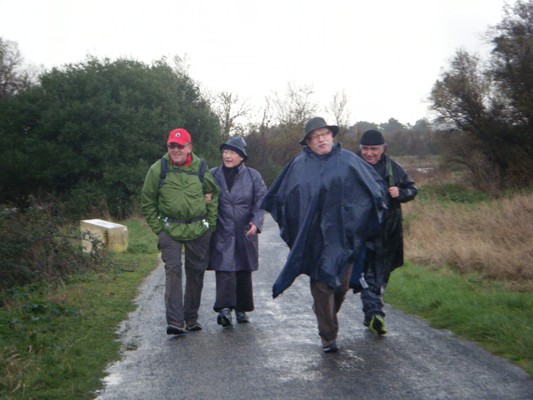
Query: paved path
(278, 355)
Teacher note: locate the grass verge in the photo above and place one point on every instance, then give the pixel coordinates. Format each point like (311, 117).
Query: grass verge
(486, 312)
(55, 342)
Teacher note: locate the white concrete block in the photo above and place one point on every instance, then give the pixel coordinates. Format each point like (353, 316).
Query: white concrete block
(113, 236)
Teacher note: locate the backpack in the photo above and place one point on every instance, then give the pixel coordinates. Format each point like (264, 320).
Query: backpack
(165, 170)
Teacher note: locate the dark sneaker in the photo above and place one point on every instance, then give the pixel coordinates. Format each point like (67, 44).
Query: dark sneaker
(193, 325)
(242, 318)
(176, 328)
(224, 317)
(377, 325)
(330, 348)
(366, 322)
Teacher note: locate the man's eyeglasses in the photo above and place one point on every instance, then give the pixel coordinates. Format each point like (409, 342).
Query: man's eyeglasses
(176, 146)
(319, 135)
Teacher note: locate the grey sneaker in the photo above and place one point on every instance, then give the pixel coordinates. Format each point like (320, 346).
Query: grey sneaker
(224, 317)
(242, 318)
(193, 325)
(176, 328)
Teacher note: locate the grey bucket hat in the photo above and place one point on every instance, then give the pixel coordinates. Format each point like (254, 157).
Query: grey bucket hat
(237, 144)
(317, 123)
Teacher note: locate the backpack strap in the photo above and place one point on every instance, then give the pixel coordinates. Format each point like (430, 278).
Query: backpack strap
(391, 174)
(388, 167)
(165, 170)
(201, 171)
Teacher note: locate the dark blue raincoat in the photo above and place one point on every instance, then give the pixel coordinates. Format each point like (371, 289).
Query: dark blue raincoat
(325, 207)
(231, 250)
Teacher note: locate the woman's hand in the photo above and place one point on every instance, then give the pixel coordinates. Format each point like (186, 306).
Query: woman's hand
(252, 231)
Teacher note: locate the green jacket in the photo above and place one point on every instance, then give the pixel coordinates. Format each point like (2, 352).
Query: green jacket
(179, 201)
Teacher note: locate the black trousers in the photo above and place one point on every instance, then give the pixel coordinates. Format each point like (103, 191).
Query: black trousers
(234, 291)
(376, 279)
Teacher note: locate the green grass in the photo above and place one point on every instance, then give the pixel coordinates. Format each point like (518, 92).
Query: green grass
(489, 313)
(56, 341)
(454, 193)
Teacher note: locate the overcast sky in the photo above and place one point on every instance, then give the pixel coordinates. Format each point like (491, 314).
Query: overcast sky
(384, 54)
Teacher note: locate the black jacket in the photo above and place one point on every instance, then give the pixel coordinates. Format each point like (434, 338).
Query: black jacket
(384, 252)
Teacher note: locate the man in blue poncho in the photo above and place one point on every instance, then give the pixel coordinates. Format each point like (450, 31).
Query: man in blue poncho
(326, 202)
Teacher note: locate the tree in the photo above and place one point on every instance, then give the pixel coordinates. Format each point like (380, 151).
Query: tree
(229, 107)
(90, 131)
(462, 95)
(391, 126)
(295, 107)
(12, 76)
(491, 104)
(511, 66)
(338, 108)
(290, 113)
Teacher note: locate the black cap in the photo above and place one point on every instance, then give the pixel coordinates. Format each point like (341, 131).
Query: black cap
(372, 138)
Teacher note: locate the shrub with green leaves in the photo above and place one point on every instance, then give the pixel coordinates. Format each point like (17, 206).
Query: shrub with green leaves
(36, 246)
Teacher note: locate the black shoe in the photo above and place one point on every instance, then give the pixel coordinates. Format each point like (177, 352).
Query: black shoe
(176, 328)
(242, 318)
(330, 348)
(366, 322)
(193, 325)
(224, 317)
(377, 325)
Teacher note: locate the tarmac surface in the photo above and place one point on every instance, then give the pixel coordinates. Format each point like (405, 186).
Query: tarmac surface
(278, 354)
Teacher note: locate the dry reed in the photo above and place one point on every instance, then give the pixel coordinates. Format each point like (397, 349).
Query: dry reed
(493, 239)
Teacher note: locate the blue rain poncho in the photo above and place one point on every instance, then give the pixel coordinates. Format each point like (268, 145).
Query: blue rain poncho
(325, 206)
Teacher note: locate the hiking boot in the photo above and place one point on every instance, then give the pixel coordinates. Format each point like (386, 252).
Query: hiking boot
(224, 317)
(242, 318)
(330, 348)
(193, 325)
(377, 325)
(176, 328)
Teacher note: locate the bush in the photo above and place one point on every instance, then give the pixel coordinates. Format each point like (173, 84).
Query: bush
(38, 245)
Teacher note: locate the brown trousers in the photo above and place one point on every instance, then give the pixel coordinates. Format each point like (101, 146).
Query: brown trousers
(327, 303)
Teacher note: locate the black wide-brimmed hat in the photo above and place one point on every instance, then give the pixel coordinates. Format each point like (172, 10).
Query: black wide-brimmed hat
(317, 123)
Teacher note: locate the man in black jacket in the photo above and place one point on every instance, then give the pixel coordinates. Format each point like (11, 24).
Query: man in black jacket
(384, 252)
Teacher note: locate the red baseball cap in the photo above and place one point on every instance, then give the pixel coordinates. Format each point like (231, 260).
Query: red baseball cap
(179, 136)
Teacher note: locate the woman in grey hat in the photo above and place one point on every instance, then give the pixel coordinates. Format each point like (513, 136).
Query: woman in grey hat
(234, 246)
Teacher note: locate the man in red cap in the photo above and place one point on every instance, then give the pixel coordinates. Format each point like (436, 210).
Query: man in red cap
(175, 207)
